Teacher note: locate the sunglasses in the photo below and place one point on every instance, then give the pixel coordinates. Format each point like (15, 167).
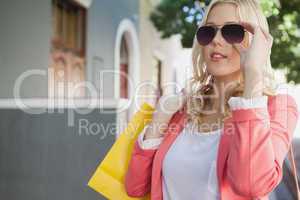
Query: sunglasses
(232, 33)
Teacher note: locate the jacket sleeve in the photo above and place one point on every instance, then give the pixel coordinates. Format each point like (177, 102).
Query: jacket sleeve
(259, 144)
(138, 176)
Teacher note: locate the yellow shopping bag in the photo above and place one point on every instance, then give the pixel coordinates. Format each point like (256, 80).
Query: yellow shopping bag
(110, 174)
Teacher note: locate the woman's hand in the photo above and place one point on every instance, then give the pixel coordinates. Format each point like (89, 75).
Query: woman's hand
(166, 107)
(253, 58)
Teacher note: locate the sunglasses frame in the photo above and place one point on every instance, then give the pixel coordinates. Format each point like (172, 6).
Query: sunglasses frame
(216, 29)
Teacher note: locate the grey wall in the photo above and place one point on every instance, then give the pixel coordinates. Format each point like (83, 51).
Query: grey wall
(25, 41)
(103, 20)
(42, 158)
(24, 45)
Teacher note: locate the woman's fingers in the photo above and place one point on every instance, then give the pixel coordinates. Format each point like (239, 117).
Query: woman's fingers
(268, 36)
(255, 29)
(182, 97)
(182, 92)
(252, 28)
(171, 103)
(242, 51)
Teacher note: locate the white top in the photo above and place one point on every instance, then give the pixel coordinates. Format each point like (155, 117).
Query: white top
(192, 160)
(189, 167)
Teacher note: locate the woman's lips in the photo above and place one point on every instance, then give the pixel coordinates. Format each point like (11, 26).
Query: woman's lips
(215, 56)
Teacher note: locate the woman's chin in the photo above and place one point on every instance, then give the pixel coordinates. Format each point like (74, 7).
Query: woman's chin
(222, 71)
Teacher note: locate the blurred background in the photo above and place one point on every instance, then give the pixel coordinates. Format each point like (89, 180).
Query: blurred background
(57, 53)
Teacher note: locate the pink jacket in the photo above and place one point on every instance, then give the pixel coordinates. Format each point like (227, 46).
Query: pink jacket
(252, 148)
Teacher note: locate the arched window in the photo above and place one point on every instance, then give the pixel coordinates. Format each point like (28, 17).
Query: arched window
(67, 49)
(124, 63)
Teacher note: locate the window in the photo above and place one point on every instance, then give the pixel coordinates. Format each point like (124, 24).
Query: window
(69, 26)
(124, 58)
(157, 78)
(67, 49)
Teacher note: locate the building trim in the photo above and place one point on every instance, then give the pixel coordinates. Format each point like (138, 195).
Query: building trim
(126, 28)
(29, 103)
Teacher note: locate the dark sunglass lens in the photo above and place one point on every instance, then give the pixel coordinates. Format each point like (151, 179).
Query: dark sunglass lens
(233, 33)
(205, 35)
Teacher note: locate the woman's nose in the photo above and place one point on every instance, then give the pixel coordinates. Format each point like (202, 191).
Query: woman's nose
(218, 39)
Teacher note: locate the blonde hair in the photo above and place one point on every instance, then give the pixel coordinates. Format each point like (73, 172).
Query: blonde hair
(250, 11)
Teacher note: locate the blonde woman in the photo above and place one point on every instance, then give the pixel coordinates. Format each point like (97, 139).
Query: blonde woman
(227, 135)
